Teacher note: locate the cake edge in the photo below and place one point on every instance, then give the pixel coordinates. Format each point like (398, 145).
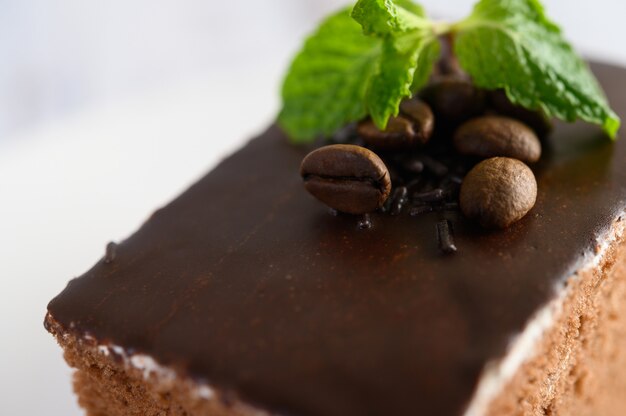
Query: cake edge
(498, 374)
(96, 363)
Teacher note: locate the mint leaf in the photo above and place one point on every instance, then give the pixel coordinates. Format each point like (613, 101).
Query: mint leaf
(412, 7)
(398, 76)
(342, 75)
(383, 17)
(407, 35)
(511, 44)
(430, 53)
(391, 83)
(326, 85)
(353, 68)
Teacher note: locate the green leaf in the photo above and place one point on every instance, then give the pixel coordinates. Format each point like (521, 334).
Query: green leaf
(412, 7)
(326, 85)
(407, 35)
(511, 44)
(342, 75)
(405, 66)
(425, 63)
(384, 17)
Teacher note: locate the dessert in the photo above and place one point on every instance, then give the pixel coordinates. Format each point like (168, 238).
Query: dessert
(244, 296)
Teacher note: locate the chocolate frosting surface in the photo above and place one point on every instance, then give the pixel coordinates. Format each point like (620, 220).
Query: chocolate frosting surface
(246, 282)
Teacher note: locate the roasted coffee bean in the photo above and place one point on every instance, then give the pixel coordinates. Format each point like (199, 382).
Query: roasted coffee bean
(490, 136)
(454, 99)
(398, 134)
(348, 178)
(498, 192)
(536, 120)
(422, 117)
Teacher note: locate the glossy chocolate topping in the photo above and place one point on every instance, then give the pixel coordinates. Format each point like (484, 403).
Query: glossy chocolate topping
(246, 282)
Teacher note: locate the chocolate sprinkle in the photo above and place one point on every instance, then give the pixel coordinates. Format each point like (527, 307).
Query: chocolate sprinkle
(450, 206)
(416, 184)
(436, 195)
(420, 209)
(414, 166)
(110, 253)
(434, 166)
(365, 223)
(446, 242)
(399, 199)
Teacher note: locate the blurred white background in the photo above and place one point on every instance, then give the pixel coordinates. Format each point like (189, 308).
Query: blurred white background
(109, 109)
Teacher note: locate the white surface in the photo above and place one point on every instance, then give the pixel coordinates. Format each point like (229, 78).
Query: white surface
(73, 186)
(109, 109)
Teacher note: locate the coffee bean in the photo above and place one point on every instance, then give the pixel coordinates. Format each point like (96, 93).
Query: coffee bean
(498, 192)
(398, 134)
(536, 120)
(490, 136)
(422, 117)
(454, 98)
(348, 178)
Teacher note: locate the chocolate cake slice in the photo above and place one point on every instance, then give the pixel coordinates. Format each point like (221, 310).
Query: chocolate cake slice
(245, 297)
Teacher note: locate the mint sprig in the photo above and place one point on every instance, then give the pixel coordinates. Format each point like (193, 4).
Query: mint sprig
(365, 61)
(513, 45)
(409, 43)
(326, 85)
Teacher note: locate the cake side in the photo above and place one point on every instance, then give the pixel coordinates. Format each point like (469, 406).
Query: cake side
(109, 382)
(567, 361)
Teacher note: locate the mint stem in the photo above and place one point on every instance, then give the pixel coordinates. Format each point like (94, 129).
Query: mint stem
(441, 28)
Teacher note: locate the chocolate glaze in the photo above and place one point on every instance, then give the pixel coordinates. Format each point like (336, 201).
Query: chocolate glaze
(246, 282)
